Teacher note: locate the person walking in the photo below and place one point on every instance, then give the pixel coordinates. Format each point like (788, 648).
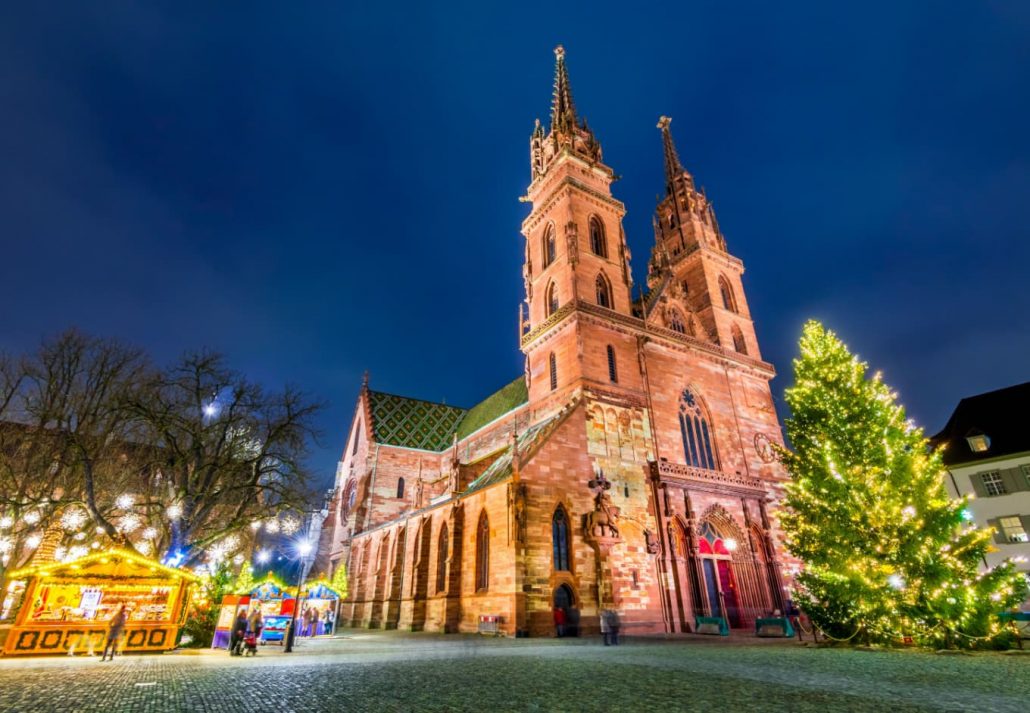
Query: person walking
(559, 621)
(239, 631)
(613, 626)
(605, 628)
(117, 625)
(255, 622)
(328, 621)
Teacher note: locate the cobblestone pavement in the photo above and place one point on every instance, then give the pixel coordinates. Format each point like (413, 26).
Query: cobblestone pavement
(375, 671)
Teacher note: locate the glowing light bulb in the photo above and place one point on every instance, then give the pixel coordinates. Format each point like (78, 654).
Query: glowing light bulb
(32, 517)
(150, 533)
(896, 581)
(263, 556)
(731, 544)
(124, 501)
(174, 511)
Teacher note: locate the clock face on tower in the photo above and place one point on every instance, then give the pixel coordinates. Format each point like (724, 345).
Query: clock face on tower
(763, 447)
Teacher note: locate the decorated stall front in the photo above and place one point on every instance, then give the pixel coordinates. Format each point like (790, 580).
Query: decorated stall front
(66, 607)
(317, 599)
(271, 596)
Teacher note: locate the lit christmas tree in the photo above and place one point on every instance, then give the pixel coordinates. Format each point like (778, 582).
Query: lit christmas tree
(887, 553)
(339, 581)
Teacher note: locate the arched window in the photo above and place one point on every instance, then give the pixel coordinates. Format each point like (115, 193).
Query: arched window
(357, 431)
(686, 287)
(727, 295)
(676, 322)
(483, 553)
(696, 433)
(547, 246)
(598, 244)
(560, 540)
(400, 487)
(441, 560)
(551, 297)
(738, 340)
(552, 364)
(604, 292)
(613, 372)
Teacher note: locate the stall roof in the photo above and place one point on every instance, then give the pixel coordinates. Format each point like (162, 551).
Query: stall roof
(80, 567)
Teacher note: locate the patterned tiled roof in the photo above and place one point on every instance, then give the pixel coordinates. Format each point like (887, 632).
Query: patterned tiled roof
(511, 396)
(400, 421)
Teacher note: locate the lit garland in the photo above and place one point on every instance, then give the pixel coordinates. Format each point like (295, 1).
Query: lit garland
(887, 553)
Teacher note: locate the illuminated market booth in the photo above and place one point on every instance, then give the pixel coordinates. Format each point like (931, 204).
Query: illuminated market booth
(271, 597)
(317, 595)
(66, 607)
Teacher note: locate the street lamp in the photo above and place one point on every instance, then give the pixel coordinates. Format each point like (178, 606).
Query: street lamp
(304, 549)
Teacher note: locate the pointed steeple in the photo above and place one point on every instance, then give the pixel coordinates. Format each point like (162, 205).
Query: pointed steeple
(563, 111)
(673, 168)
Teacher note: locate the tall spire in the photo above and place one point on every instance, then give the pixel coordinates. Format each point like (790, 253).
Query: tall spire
(673, 168)
(563, 111)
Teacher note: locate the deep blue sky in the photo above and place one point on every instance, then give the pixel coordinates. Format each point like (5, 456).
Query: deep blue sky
(317, 190)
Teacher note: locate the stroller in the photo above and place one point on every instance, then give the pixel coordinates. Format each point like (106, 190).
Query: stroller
(250, 643)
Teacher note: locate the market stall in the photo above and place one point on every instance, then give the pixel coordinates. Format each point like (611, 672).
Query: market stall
(271, 596)
(321, 598)
(66, 606)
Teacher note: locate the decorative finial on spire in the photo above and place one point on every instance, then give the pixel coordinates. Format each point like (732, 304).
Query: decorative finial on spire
(364, 380)
(563, 111)
(673, 167)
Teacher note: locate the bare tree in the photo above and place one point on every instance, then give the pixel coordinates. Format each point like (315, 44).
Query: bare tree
(228, 455)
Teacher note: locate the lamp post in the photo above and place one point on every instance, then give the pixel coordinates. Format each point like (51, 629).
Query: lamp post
(304, 549)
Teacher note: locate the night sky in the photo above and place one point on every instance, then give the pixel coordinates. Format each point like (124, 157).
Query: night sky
(316, 190)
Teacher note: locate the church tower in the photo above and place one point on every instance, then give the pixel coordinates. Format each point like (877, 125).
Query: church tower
(576, 268)
(690, 260)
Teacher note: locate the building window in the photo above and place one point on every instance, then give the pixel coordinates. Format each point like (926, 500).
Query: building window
(727, 295)
(547, 247)
(400, 487)
(604, 292)
(738, 340)
(1026, 473)
(560, 540)
(483, 554)
(1012, 529)
(613, 373)
(696, 433)
(598, 245)
(686, 287)
(441, 561)
(551, 298)
(979, 442)
(992, 482)
(552, 364)
(352, 497)
(676, 322)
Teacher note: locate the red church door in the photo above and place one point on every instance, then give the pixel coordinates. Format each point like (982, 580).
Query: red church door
(729, 594)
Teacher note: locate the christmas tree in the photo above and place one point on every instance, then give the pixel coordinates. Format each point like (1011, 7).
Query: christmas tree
(244, 582)
(339, 581)
(887, 553)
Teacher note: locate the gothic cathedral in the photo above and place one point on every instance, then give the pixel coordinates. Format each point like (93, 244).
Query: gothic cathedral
(630, 468)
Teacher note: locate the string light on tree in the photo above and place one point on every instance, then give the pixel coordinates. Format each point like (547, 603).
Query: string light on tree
(174, 511)
(124, 501)
(32, 517)
(887, 554)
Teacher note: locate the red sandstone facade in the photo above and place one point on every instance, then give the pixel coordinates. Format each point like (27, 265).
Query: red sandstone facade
(444, 515)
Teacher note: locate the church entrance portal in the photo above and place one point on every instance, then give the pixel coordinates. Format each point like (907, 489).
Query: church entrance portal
(565, 599)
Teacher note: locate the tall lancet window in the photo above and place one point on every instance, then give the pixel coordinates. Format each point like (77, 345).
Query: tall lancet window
(483, 553)
(696, 432)
(560, 539)
(547, 246)
(728, 300)
(598, 244)
(604, 292)
(551, 297)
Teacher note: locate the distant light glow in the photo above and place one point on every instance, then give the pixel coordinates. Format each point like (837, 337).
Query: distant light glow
(33, 540)
(124, 501)
(32, 517)
(966, 514)
(304, 548)
(174, 511)
(73, 519)
(731, 544)
(6, 522)
(896, 581)
(150, 533)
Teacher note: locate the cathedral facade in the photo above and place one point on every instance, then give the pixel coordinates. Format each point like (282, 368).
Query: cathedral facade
(631, 466)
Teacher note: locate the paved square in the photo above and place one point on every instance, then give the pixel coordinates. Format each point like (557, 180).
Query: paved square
(375, 671)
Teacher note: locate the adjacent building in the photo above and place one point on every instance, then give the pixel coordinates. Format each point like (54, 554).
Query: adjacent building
(630, 466)
(987, 453)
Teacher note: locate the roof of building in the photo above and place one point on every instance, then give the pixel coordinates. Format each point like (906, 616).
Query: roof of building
(509, 397)
(1000, 415)
(413, 423)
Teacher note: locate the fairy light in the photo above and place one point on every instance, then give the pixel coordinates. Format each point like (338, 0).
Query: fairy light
(6, 521)
(124, 501)
(174, 511)
(129, 523)
(33, 540)
(150, 533)
(32, 517)
(73, 519)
